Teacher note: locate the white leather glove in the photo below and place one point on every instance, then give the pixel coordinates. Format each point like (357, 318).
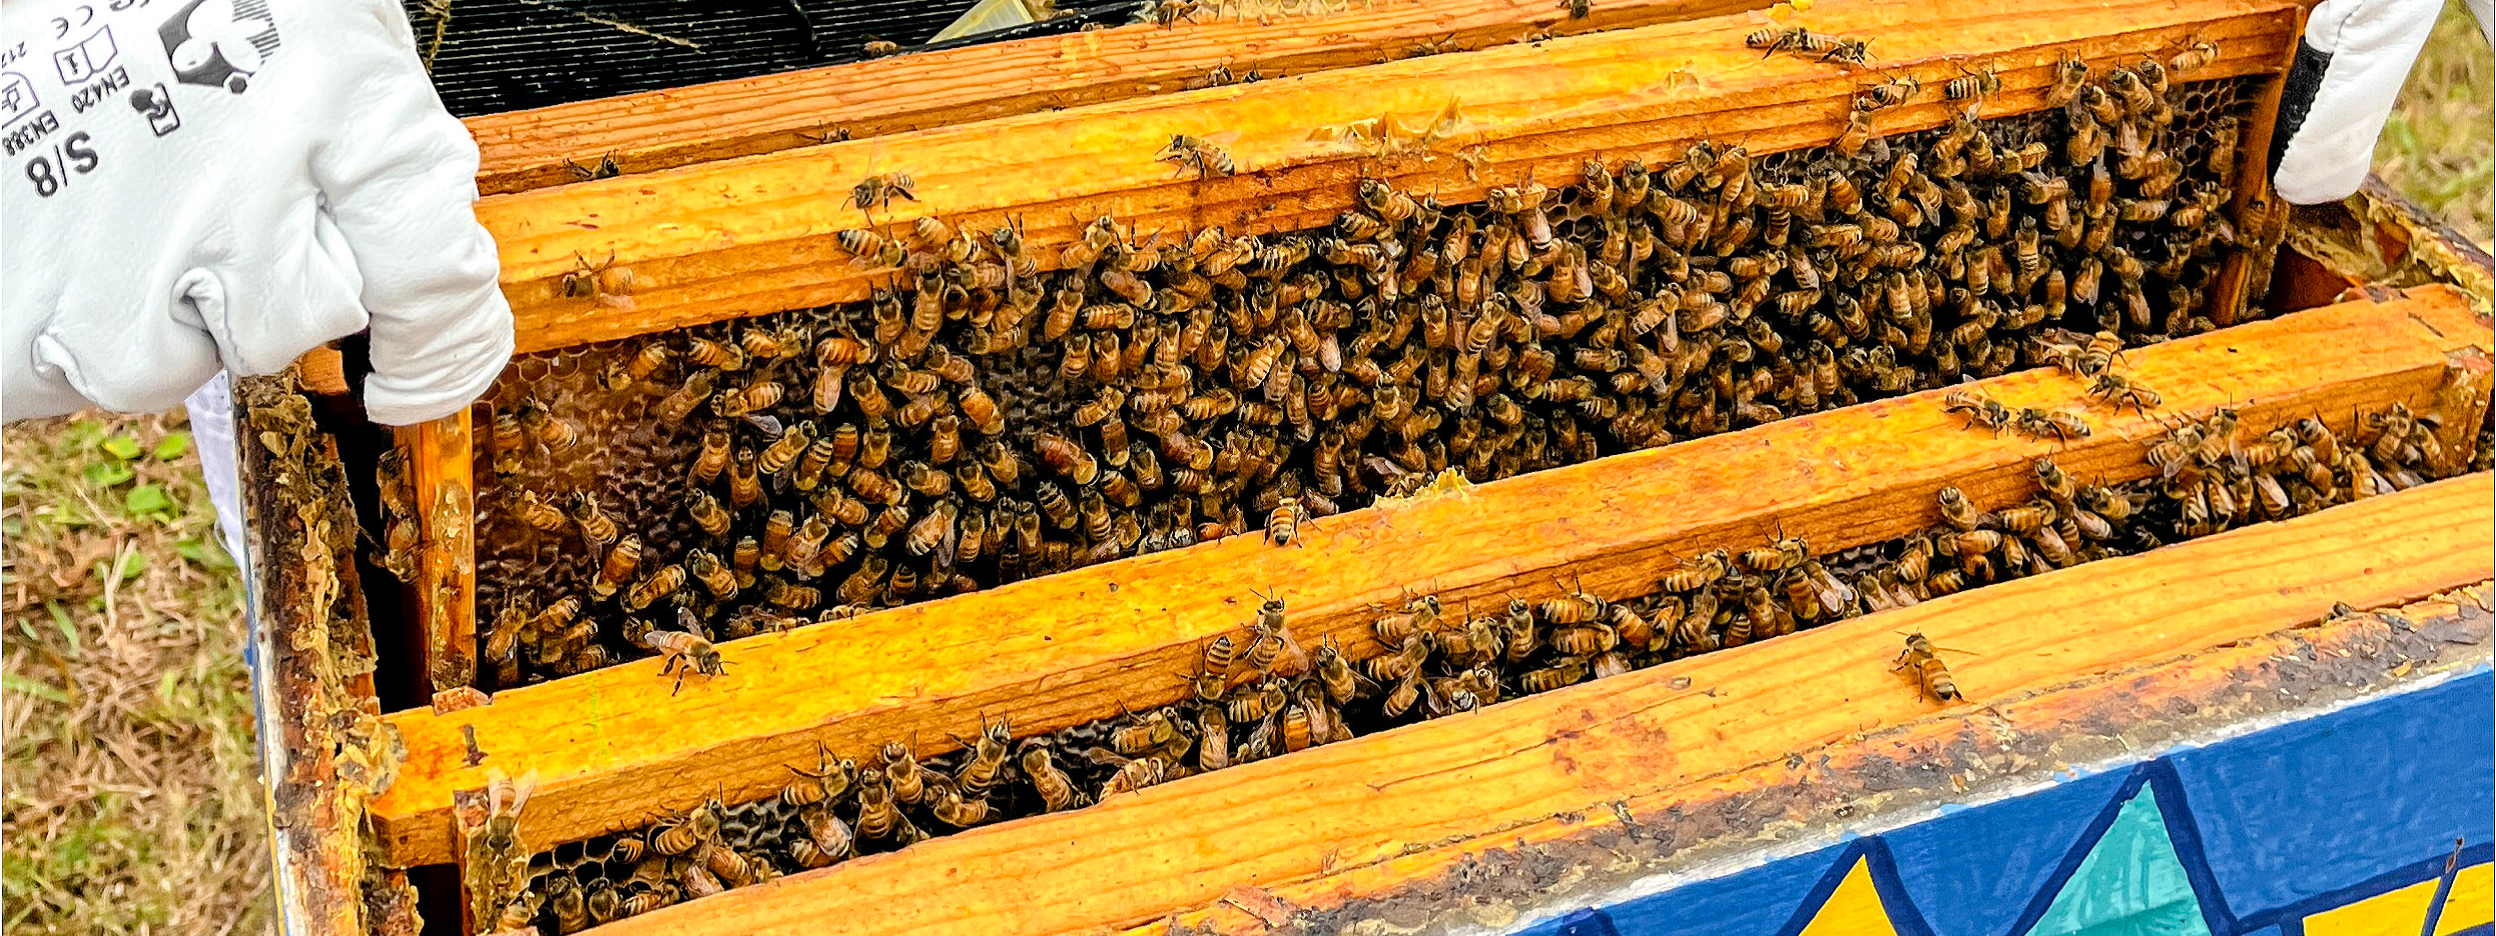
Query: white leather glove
(2350, 68)
(197, 184)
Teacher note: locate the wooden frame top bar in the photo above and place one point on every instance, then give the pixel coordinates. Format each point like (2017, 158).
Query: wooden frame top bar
(610, 748)
(758, 234)
(1474, 776)
(679, 126)
(1955, 756)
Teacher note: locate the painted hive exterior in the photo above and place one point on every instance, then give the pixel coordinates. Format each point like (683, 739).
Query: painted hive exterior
(2374, 818)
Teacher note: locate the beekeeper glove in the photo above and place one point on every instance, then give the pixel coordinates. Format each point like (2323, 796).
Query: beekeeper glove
(228, 183)
(2355, 57)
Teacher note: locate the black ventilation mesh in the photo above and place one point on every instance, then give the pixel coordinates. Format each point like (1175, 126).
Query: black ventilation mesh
(502, 55)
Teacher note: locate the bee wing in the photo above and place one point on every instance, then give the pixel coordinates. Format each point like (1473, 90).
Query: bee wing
(1219, 138)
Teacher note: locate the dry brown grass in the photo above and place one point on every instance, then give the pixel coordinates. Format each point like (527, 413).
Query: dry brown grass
(132, 801)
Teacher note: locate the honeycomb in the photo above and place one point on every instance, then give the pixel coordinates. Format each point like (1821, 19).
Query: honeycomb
(983, 422)
(2213, 475)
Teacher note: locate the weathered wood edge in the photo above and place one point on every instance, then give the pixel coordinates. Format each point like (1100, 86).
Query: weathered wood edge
(1089, 641)
(1961, 755)
(1568, 754)
(439, 459)
(758, 234)
(322, 748)
(664, 129)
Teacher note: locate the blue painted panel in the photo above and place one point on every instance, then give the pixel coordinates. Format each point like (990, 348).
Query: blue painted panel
(2312, 806)
(1972, 880)
(1756, 902)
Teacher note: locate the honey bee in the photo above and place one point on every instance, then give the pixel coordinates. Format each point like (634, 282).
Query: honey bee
(2120, 391)
(621, 561)
(1858, 134)
(880, 48)
(827, 840)
(1890, 93)
(554, 432)
(1565, 673)
(2070, 74)
(2040, 423)
(656, 587)
(1057, 791)
(685, 652)
(1168, 13)
(1956, 510)
(879, 812)
(1282, 525)
(1922, 664)
(1974, 84)
(1982, 412)
(597, 529)
(1188, 152)
(1131, 774)
(1694, 574)
(540, 514)
(878, 191)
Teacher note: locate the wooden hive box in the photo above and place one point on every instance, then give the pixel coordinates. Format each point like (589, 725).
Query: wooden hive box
(1686, 323)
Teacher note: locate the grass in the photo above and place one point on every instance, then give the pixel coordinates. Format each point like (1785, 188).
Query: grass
(2437, 148)
(131, 801)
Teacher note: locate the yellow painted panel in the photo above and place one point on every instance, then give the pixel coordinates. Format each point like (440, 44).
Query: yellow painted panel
(2472, 902)
(1854, 909)
(2397, 913)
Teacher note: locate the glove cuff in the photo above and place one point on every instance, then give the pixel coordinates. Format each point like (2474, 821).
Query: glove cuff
(399, 402)
(2296, 98)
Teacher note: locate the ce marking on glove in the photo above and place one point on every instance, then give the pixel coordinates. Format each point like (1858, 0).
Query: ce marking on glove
(51, 172)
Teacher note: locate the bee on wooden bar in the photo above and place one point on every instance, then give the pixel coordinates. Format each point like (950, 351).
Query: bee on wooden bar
(2040, 423)
(1982, 412)
(1923, 664)
(1977, 83)
(1282, 525)
(2196, 56)
(1890, 93)
(878, 191)
(2070, 75)
(1189, 152)
(2119, 391)
(1694, 574)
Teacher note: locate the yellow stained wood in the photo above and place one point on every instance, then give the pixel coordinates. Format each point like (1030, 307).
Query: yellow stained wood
(678, 126)
(1138, 857)
(439, 456)
(2200, 681)
(611, 748)
(758, 234)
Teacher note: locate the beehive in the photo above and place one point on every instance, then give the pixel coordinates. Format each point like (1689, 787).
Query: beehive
(1582, 365)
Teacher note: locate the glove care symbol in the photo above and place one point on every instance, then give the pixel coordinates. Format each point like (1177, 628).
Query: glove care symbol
(157, 106)
(219, 43)
(17, 98)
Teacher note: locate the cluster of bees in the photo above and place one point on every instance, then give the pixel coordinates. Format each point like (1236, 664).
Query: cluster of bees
(981, 421)
(1262, 692)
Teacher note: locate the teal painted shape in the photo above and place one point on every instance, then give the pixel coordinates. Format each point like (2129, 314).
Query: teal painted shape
(2131, 883)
